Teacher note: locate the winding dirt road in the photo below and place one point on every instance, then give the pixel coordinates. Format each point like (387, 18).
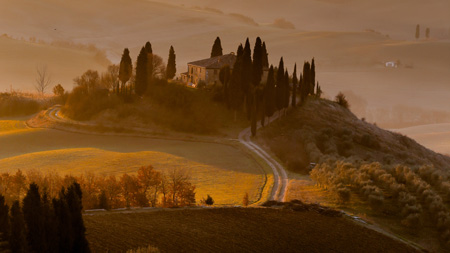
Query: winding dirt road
(279, 174)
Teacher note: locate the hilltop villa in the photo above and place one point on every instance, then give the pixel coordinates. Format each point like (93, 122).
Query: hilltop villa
(207, 70)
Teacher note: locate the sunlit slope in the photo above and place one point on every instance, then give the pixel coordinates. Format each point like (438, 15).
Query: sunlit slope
(19, 60)
(227, 186)
(223, 171)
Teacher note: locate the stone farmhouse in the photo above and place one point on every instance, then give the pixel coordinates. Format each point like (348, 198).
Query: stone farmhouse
(207, 70)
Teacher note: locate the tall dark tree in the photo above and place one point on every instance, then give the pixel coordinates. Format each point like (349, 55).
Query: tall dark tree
(34, 219)
(49, 224)
(125, 69)
(294, 86)
(217, 48)
(247, 77)
(63, 223)
(318, 90)
(150, 67)
(306, 82)
(417, 31)
(148, 47)
(427, 33)
(280, 93)
(235, 88)
(4, 219)
(286, 90)
(270, 94)
(73, 199)
(265, 56)
(312, 77)
(224, 77)
(171, 64)
(141, 73)
(17, 239)
(257, 69)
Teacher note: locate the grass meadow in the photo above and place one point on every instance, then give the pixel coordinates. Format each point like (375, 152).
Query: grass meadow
(222, 171)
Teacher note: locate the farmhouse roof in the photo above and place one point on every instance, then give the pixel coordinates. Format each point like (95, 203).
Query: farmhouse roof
(216, 62)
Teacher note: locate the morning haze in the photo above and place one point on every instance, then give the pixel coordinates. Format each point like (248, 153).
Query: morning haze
(301, 118)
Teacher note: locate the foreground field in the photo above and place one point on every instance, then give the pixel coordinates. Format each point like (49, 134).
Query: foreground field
(234, 230)
(223, 171)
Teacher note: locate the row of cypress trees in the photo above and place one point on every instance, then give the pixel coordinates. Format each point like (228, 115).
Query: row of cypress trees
(144, 69)
(41, 225)
(243, 87)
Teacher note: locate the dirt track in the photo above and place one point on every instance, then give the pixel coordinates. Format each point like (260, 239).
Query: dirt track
(281, 180)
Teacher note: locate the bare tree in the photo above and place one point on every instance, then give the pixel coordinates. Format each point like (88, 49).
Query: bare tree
(43, 79)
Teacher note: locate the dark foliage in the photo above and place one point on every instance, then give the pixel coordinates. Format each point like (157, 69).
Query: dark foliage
(217, 48)
(171, 64)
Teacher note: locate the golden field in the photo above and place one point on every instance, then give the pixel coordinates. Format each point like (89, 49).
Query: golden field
(223, 171)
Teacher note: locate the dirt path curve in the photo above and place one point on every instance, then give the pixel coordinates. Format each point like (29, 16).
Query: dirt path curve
(279, 174)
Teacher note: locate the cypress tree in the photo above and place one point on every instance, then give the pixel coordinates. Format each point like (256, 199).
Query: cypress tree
(294, 86)
(141, 73)
(125, 69)
(217, 48)
(17, 239)
(149, 50)
(306, 81)
(265, 56)
(235, 88)
(312, 77)
(63, 223)
(49, 224)
(171, 65)
(4, 219)
(270, 98)
(280, 85)
(247, 77)
(148, 47)
(257, 62)
(73, 199)
(34, 219)
(286, 90)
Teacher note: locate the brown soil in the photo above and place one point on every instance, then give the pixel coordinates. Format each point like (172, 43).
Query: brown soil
(234, 230)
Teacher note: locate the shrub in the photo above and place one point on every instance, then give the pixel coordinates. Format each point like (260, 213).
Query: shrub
(209, 201)
(342, 100)
(245, 200)
(15, 105)
(343, 194)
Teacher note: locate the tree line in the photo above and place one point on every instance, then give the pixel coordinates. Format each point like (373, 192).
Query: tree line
(244, 89)
(147, 187)
(41, 224)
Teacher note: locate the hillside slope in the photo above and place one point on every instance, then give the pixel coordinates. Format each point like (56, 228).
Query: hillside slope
(325, 130)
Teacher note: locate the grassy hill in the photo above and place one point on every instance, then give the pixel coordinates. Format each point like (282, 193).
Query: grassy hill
(234, 230)
(322, 130)
(384, 176)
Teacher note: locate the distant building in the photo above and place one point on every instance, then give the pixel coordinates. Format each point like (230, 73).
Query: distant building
(207, 70)
(391, 64)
